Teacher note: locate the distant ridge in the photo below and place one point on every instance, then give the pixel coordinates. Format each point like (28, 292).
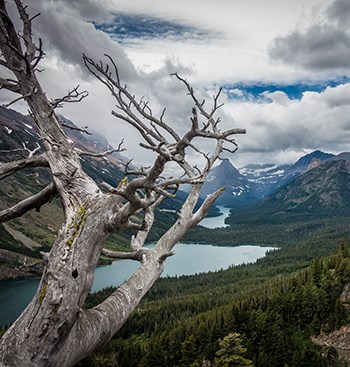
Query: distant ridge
(320, 192)
(255, 182)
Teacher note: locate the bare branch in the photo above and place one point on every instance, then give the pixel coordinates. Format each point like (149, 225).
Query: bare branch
(72, 96)
(163, 192)
(162, 115)
(9, 36)
(203, 210)
(113, 190)
(143, 131)
(199, 105)
(127, 102)
(115, 67)
(180, 181)
(34, 202)
(127, 166)
(27, 31)
(7, 169)
(139, 255)
(31, 152)
(5, 151)
(83, 130)
(10, 84)
(139, 172)
(106, 153)
(103, 154)
(139, 240)
(17, 99)
(34, 16)
(171, 211)
(39, 56)
(230, 150)
(17, 58)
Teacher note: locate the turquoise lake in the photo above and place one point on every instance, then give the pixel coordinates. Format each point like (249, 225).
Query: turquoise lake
(189, 259)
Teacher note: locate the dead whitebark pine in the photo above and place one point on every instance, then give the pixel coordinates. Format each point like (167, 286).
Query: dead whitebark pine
(55, 330)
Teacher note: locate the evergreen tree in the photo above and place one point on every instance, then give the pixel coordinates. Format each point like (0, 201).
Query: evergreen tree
(188, 351)
(231, 352)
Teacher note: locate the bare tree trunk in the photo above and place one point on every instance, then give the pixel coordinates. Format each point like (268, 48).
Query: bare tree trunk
(55, 330)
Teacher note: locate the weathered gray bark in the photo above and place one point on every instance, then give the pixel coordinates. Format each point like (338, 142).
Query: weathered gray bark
(55, 330)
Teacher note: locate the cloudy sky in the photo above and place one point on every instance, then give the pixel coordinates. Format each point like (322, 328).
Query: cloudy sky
(284, 66)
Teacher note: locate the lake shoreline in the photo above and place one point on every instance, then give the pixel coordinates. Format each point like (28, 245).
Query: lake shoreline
(190, 259)
(11, 273)
(9, 270)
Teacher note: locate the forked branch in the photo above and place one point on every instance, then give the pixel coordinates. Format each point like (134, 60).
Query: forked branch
(34, 202)
(133, 111)
(105, 153)
(72, 96)
(27, 53)
(138, 114)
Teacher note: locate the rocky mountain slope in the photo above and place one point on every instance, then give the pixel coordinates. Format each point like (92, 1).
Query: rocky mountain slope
(238, 188)
(320, 192)
(22, 239)
(253, 183)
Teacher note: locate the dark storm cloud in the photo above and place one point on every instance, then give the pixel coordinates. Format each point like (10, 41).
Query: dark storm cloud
(339, 11)
(319, 48)
(65, 30)
(90, 9)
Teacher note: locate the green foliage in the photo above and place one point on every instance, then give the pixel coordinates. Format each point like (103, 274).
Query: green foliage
(231, 352)
(276, 305)
(188, 351)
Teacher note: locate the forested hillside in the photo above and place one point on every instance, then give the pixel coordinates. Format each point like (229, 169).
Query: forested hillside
(277, 312)
(279, 306)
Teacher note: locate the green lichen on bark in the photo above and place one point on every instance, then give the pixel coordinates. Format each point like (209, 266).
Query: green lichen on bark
(122, 184)
(76, 224)
(42, 293)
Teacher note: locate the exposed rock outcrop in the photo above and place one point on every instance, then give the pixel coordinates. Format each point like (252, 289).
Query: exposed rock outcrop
(339, 339)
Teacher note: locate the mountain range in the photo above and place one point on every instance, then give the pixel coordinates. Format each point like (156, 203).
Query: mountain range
(254, 183)
(318, 184)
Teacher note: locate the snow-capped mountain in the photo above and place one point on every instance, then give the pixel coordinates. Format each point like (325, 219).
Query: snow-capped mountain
(270, 177)
(255, 182)
(266, 177)
(238, 189)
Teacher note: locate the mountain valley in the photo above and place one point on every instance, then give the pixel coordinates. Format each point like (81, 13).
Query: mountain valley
(308, 194)
(291, 296)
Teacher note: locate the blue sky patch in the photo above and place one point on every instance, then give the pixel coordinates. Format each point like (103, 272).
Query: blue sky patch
(126, 27)
(294, 91)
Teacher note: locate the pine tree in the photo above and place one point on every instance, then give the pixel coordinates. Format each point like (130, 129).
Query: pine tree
(231, 352)
(188, 351)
